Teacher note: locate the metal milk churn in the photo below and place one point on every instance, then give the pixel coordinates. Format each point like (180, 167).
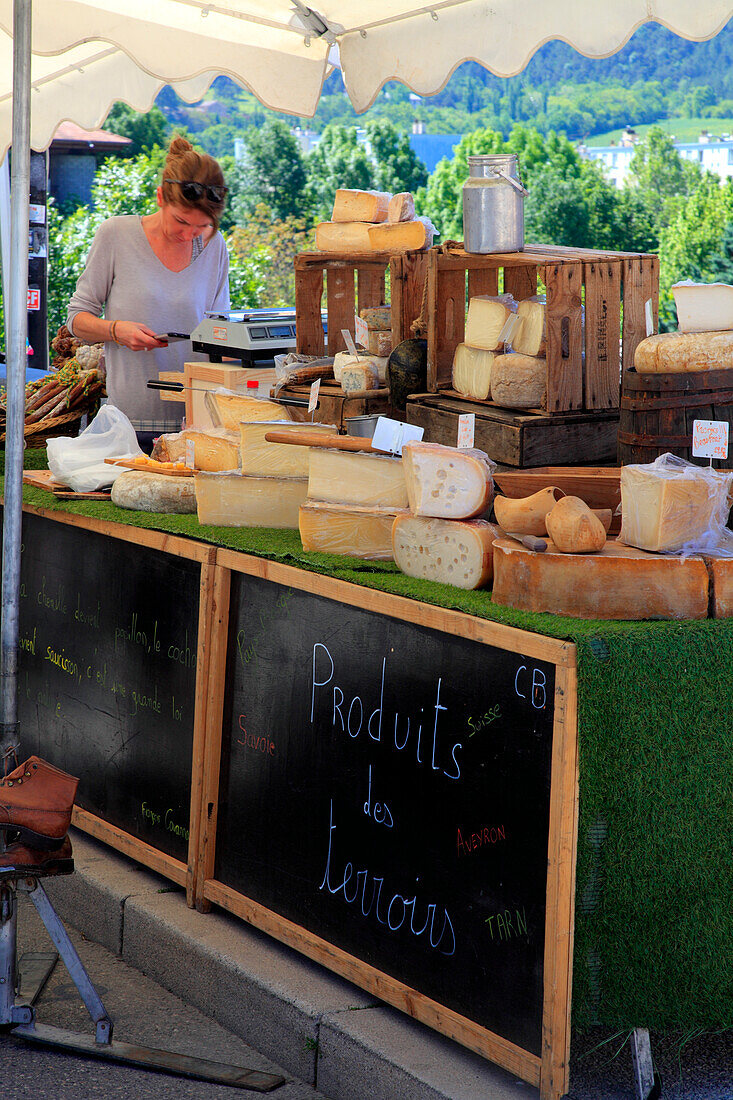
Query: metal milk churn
(493, 205)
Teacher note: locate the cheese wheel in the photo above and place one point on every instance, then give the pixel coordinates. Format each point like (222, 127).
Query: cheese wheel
(447, 483)
(684, 351)
(519, 382)
(144, 492)
(450, 551)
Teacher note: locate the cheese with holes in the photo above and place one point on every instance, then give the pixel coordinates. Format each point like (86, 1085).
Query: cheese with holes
(228, 410)
(230, 500)
(353, 477)
(144, 492)
(401, 207)
(360, 206)
(378, 318)
(355, 379)
(619, 582)
(472, 371)
(262, 459)
(445, 482)
(450, 551)
(664, 511)
(347, 529)
(703, 307)
(343, 360)
(343, 237)
(530, 335)
(216, 449)
(519, 382)
(486, 319)
(684, 351)
(401, 236)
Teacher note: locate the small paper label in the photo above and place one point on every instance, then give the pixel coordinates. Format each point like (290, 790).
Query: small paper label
(649, 317)
(191, 454)
(391, 435)
(219, 332)
(710, 439)
(313, 399)
(466, 429)
(361, 331)
(349, 341)
(510, 326)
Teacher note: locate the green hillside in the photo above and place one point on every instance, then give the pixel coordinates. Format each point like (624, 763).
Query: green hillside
(681, 129)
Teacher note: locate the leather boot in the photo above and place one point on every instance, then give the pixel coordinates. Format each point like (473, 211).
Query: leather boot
(35, 803)
(18, 859)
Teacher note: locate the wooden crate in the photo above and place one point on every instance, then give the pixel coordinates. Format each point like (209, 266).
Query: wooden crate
(354, 282)
(584, 361)
(334, 407)
(517, 438)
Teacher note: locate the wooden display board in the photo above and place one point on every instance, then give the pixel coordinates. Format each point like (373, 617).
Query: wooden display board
(394, 793)
(114, 630)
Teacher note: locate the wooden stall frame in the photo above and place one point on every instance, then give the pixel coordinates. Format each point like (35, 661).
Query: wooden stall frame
(549, 1072)
(183, 874)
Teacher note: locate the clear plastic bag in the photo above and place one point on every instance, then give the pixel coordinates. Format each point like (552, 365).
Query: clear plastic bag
(491, 321)
(79, 462)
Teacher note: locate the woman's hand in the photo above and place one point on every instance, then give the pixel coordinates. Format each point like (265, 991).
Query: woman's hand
(137, 337)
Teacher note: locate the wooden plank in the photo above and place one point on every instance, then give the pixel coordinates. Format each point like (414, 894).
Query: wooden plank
(369, 287)
(602, 335)
(560, 911)
(308, 323)
(483, 280)
(129, 845)
(172, 376)
(450, 321)
(502, 441)
(589, 439)
(520, 282)
(214, 720)
(641, 283)
(450, 1023)
(340, 298)
(564, 284)
(397, 607)
(432, 321)
(207, 611)
(408, 277)
(305, 261)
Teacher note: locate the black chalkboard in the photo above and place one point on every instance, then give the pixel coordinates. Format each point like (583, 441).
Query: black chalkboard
(386, 787)
(108, 635)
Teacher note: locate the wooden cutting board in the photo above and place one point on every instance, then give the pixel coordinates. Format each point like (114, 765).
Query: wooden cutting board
(128, 464)
(44, 479)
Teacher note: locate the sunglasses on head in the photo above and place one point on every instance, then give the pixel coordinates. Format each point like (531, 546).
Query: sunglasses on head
(195, 191)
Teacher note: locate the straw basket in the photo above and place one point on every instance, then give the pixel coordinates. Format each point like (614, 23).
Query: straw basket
(38, 434)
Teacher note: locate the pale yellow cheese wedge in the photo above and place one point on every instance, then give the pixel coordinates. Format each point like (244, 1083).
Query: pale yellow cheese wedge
(519, 382)
(352, 477)
(486, 319)
(530, 335)
(401, 236)
(703, 307)
(230, 500)
(217, 449)
(447, 483)
(684, 351)
(347, 529)
(343, 237)
(452, 552)
(343, 360)
(401, 207)
(360, 206)
(228, 410)
(664, 512)
(472, 371)
(262, 459)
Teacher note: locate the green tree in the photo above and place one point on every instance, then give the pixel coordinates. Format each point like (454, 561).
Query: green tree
(657, 167)
(337, 161)
(397, 166)
(720, 264)
(145, 130)
(272, 172)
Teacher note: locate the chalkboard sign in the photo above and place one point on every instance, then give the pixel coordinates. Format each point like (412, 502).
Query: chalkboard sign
(387, 787)
(108, 649)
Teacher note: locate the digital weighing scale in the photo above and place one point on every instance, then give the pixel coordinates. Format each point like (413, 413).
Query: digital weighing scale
(247, 334)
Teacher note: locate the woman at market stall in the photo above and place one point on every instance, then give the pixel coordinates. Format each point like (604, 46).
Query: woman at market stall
(153, 275)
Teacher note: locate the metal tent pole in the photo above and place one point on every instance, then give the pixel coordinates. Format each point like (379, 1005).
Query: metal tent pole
(16, 324)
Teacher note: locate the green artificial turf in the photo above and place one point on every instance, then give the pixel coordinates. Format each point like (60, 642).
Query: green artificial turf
(654, 919)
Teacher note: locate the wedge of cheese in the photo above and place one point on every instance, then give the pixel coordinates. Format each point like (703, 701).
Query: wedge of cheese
(343, 360)
(402, 236)
(217, 449)
(360, 206)
(230, 500)
(262, 459)
(472, 371)
(378, 318)
(519, 382)
(703, 307)
(347, 529)
(664, 511)
(452, 552)
(355, 379)
(401, 207)
(353, 477)
(447, 483)
(684, 351)
(228, 410)
(343, 237)
(379, 343)
(530, 335)
(485, 322)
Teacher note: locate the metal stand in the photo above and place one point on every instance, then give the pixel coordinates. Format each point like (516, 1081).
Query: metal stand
(18, 1014)
(647, 1084)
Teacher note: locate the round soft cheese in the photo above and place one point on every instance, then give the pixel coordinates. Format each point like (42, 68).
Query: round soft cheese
(145, 492)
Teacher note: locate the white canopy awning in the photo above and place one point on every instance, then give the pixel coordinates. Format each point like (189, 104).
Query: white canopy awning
(89, 53)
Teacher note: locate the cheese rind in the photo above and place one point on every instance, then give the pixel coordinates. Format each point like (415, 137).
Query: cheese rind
(673, 352)
(355, 379)
(485, 322)
(353, 477)
(379, 343)
(401, 207)
(402, 236)
(343, 237)
(472, 371)
(449, 551)
(347, 529)
(664, 510)
(350, 205)
(262, 459)
(230, 409)
(230, 500)
(217, 449)
(446, 483)
(343, 360)
(530, 335)
(144, 492)
(519, 382)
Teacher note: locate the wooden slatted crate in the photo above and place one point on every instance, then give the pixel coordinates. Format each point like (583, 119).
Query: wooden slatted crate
(585, 356)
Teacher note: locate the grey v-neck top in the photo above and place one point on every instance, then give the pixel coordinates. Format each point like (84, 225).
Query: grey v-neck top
(124, 279)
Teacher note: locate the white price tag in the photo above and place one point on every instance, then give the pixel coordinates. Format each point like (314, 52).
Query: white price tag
(649, 317)
(361, 331)
(349, 341)
(191, 454)
(466, 429)
(710, 439)
(313, 399)
(391, 435)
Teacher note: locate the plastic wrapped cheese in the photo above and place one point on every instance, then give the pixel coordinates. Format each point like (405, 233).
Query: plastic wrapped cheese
(344, 359)
(262, 459)
(453, 552)
(228, 409)
(669, 505)
(350, 205)
(348, 529)
(354, 477)
(519, 382)
(530, 335)
(445, 482)
(231, 500)
(684, 351)
(216, 449)
(144, 492)
(401, 207)
(343, 237)
(402, 236)
(487, 318)
(472, 371)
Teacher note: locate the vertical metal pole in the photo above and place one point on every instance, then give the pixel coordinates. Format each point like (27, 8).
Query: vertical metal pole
(16, 335)
(8, 932)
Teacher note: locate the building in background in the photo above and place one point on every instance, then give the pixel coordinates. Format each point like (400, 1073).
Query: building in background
(713, 154)
(73, 158)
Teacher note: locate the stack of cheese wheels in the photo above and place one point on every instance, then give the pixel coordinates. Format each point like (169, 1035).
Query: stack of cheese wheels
(443, 538)
(373, 221)
(474, 359)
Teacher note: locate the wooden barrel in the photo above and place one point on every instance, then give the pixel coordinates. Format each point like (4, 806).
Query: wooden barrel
(657, 412)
